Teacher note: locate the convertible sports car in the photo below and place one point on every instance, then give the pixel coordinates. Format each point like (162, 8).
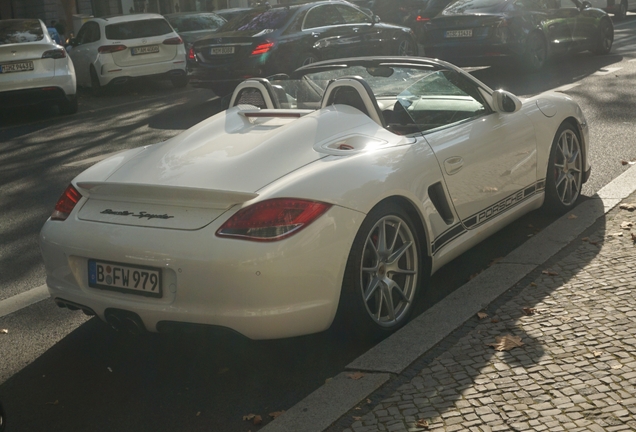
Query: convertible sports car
(329, 195)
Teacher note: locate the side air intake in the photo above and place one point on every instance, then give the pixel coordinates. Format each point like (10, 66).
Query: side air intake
(438, 197)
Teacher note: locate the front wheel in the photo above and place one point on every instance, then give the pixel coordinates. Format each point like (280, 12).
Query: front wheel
(535, 53)
(383, 272)
(605, 38)
(621, 14)
(406, 47)
(565, 171)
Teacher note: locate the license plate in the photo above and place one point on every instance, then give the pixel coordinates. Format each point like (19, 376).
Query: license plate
(145, 281)
(222, 50)
(459, 33)
(16, 67)
(145, 50)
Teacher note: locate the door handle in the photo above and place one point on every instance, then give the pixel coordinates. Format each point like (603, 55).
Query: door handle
(453, 164)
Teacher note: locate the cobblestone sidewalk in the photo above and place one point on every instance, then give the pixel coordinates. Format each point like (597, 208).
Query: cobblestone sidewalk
(576, 369)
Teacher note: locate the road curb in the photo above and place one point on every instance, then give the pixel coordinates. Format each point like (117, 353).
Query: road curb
(326, 405)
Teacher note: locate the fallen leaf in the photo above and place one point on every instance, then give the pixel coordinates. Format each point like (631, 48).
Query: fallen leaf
(198, 413)
(627, 225)
(53, 403)
(617, 366)
(357, 418)
(533, 284)
(624, 162)
(422, 423)
(4, 331)
(355, 375)
(482, 315)
(529, 311)
(628, 206)
(597, 353)
(494, 261)
(257, 420)
(249, 417)
(276, 413)
(506, 343)
(223, 370)
(368, 400)
(494, 320)
(572, 216)
(550, 273)
(585, 239)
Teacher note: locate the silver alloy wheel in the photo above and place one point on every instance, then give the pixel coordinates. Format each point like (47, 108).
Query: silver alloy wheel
(389, 271)
(568, 167)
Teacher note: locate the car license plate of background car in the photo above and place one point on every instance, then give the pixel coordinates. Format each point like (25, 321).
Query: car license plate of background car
(145, 50)
(222, 50)
(145, 281)
(459, 33)
(16, 67)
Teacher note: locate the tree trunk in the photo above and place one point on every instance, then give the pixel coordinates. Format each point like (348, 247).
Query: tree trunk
(70, 8)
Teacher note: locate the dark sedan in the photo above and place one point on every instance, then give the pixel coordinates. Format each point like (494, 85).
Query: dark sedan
(528, 32)
(270, 40)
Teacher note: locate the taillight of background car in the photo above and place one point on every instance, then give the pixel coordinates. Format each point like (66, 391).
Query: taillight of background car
(262, 48)
(57, 53)
(272, 220)
(173, 41)
(66, 203)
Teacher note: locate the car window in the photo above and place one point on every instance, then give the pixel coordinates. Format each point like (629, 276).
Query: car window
(20, 31)
(296, 23)
(567, 4)
(322, 16)
(352, 15)
(531, 5)
(138, 29)
(92, 32)
(195, 22)
(258, 20)
(81, 34)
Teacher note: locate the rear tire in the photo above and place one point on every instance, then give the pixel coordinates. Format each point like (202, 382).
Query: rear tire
(383, 274)
(406, 47)
(180, 81)
(621, 14)
(564, 178)
(69, 106)
(307, 59)
(96, 86)
(605, 38)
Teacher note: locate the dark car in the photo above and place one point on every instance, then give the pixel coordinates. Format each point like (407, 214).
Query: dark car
(402, 12)
(528, 32)
(230, 14)
(195, 25)
(270, 40)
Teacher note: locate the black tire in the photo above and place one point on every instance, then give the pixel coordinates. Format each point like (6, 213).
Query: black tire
(96, 87)
(3, 419)
(69, 106)
(536, 52)
(621, 14)
(180, 81)
(405, 47)
(564, 178)
(605, 37)
(370, 272)
(307, 58)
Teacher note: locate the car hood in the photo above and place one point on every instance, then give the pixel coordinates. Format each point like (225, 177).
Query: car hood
(221, 162)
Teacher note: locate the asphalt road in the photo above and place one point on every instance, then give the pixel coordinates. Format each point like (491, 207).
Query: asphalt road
(61, 371)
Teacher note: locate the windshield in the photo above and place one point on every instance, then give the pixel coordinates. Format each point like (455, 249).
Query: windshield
(485, 6)
(138, 29)
(188, 23)
(20, 31)
(259, 20)
(412, 99)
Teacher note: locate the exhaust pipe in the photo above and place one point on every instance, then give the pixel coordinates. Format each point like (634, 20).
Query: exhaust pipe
(125, 321)
(74, 306)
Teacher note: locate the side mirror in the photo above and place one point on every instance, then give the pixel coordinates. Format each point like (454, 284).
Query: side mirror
(505, 102)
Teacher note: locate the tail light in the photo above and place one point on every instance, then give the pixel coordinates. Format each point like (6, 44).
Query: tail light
(272, 220)
(262, 48)
(420, 18)
(57, 53)
(66, 203)
(191, 54)
(173, 41)
(106, 49)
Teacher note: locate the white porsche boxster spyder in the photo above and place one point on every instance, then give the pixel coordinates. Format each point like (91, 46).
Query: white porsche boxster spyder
(330, 195)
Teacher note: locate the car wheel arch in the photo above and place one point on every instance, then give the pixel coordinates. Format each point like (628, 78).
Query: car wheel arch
(579, 130)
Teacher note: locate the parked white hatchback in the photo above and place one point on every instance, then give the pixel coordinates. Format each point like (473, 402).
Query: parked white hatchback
(33, 68)
(111, 51)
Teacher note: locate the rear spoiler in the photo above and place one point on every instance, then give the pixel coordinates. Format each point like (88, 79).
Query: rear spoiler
(164, 194)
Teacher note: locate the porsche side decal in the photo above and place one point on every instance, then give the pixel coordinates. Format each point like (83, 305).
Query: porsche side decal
(486, 214)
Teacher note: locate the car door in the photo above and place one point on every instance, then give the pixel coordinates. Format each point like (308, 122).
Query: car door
(488, 159)
(84, 51)
(365, 37)
(331, 38)
(560, 24)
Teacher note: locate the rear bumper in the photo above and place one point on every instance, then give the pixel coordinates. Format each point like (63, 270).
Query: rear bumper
(33, 96)
(110, 72)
